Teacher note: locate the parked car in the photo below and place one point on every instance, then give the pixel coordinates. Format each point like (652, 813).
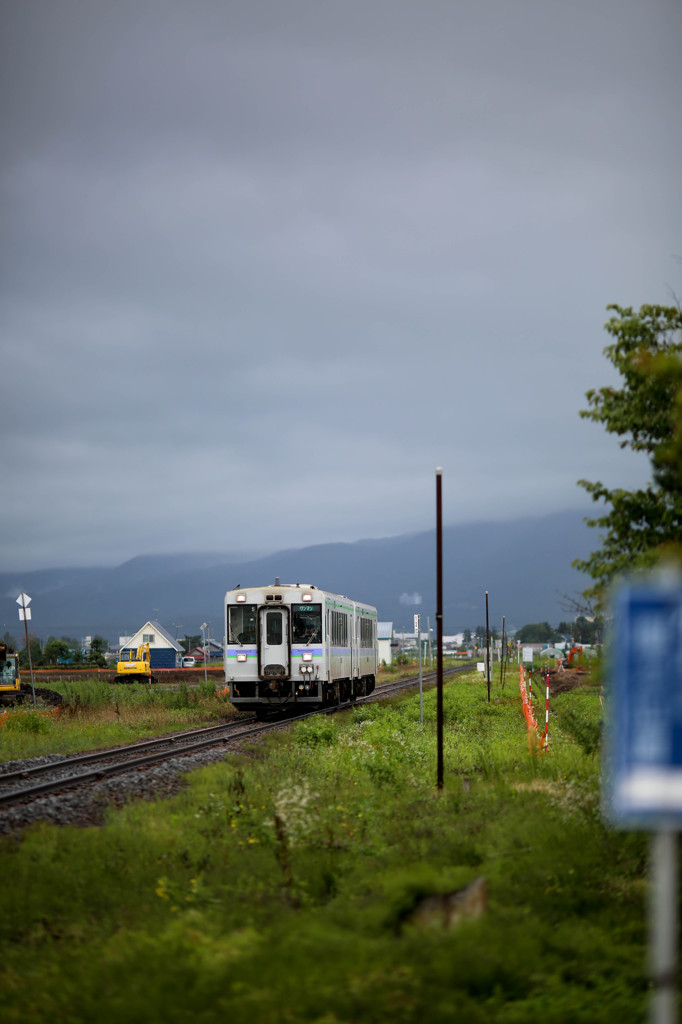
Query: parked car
(188, 662)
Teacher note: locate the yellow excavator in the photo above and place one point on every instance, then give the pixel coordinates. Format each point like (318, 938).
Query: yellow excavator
(13, 691)
(135, 666)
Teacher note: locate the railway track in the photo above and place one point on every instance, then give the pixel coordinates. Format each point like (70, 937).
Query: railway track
(31, 782)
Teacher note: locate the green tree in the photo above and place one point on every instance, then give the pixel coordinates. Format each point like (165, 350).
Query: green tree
(583, 630)
(188, 642)
(75, 649)
(479, 637)
(536, 633)
(467, 638)
(54, 649)
(99, 645)
(646, 412)
(36, 652)
(10, 641)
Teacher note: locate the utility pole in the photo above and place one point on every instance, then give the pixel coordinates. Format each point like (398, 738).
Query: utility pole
(439, 623)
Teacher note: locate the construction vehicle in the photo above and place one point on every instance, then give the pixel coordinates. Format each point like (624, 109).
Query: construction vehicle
(135, 666)
(13, 691)
(568, 661)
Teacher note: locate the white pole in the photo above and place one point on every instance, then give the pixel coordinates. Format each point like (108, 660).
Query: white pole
(203, 636)
(421, 694)
(663, 926)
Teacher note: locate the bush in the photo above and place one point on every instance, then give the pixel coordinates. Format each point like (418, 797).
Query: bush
(26, 721)
(317, 732)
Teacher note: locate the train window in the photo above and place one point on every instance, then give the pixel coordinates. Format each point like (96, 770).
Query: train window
(242, 624)
(366, 633)
(306, 623)
(273, 629)
(339, 629)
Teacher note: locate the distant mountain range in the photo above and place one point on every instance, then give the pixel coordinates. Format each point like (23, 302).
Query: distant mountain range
(524, 564)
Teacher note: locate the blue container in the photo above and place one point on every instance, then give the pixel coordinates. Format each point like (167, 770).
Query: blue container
(162, 657)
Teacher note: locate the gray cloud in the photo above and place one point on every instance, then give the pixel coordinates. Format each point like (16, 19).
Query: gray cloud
(265, 266)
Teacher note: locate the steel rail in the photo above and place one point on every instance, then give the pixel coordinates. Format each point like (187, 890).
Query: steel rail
(102, 755)
(19, 795)
(103, 771)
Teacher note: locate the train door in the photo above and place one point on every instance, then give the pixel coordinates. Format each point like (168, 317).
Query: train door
(353, 626)
(274, 642)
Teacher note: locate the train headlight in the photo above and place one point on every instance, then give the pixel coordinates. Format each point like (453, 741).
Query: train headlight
(307, 657)
(241, 597)
(241, 657)
(306, 597)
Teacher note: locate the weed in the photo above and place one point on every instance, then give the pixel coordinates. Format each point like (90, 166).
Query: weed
(290, 885)
(316, 732)
(95, 713)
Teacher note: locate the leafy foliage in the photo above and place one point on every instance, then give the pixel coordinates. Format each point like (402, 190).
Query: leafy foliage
(646, 412)
(583, 630)
(96, 714)
(536, 633)
(55, 649)
(283, 885)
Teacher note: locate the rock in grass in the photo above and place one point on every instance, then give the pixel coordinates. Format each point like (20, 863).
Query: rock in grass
(446, 910)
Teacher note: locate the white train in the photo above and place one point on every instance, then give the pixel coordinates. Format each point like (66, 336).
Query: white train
(292, 644)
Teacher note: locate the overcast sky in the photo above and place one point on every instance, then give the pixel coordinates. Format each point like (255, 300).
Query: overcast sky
(267, 263)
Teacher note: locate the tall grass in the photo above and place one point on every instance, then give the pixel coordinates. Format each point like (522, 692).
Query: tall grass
(96, 714)
(283, 884)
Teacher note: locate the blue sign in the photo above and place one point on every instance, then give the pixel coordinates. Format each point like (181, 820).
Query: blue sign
(645, 763)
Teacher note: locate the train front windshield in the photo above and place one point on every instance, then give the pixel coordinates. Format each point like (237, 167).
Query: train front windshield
(306, 623)
(242, 624)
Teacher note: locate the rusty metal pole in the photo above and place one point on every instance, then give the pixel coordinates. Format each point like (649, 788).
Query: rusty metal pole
(439, 621)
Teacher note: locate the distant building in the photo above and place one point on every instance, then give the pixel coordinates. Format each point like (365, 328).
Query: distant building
(386, 642)
(215, 651)
(164, 651)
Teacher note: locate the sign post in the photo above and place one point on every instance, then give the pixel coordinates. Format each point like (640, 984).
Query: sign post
(644, 786)
(24, 615)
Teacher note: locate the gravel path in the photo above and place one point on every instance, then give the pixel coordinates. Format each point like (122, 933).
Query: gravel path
(88, 804)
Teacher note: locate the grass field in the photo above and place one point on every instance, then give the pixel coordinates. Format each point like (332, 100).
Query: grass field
(298, 880)
(97, 714)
